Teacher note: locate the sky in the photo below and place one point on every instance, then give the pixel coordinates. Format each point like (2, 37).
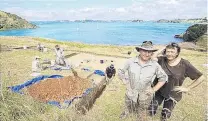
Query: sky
(44, 10)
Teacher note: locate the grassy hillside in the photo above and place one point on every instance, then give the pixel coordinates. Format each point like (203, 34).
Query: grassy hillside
(12, 21)
(202, 41)
(15, 69)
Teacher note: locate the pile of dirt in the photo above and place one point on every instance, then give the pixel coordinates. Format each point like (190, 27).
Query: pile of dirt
(59, 90)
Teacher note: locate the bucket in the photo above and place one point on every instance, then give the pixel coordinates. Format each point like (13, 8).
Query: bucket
(52, 62)
(45, 49)
(24, 47)
(101, 61)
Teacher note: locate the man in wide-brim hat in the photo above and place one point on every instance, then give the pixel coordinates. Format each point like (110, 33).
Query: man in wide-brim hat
(146, 45)
(141, 72)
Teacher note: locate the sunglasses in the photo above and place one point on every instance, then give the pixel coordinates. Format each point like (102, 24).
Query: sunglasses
(147, 42)
(174, 44)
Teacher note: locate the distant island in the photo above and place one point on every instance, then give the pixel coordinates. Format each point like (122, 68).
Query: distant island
(194, 20)
(10, 21)
(102, 21)
(137, 21)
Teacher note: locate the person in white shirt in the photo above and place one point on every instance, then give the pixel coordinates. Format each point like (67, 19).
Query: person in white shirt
(60, 60)
(36, 66)
(40, 47)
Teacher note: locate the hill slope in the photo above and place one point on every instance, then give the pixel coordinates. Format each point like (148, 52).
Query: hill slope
(12, 21)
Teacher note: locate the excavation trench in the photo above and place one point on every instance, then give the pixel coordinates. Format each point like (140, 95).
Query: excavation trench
(66, 89)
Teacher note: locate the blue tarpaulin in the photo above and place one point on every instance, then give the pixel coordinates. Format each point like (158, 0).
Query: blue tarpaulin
(18, 88)
(86, 69)
(99, 72)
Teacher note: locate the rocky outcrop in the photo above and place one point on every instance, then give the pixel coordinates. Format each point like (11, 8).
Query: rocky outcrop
(195, 37)
(194, 32)
(12, 21)
(178, 36)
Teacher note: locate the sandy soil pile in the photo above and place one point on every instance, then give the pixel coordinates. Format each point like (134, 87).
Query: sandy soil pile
(59, 89)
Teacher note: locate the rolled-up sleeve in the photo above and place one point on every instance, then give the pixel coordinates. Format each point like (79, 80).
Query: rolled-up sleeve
(160, 73)
(121, 72)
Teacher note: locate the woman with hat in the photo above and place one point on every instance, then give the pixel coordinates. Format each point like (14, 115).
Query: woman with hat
(141, 71)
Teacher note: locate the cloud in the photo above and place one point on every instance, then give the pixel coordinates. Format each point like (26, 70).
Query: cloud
(168, 2)
(88, 10)
(139, 9)
(121, 10)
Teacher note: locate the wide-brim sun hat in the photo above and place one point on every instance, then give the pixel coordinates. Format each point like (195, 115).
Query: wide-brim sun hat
(146, 45)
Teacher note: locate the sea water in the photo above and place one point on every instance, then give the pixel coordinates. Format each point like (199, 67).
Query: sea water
(114, 33)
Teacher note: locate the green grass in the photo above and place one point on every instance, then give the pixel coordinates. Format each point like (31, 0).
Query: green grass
(202, 41)
(16, 69)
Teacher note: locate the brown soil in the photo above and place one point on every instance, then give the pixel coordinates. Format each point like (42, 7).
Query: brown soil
(59, 89)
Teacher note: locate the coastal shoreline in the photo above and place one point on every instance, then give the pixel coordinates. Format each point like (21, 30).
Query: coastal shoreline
(184, 45)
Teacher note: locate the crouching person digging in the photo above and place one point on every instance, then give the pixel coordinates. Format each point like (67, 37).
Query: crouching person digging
(110, 73)
(141, 71)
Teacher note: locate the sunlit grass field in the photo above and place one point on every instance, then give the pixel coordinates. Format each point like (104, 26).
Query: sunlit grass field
(15, 69)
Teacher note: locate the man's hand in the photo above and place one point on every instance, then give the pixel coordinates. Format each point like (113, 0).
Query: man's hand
(179, 89)
(150, 91)
(121, 76)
